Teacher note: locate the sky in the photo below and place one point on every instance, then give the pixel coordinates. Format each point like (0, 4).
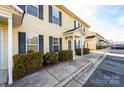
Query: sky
(107, 20)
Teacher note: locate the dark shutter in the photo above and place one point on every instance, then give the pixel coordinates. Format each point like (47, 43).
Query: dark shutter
(50, 13)
(41, 43)
(74, 24)
(22, 42)
(60, 43)
(41, 11)
(50, 43)
(60, 18)
(75, 44)
(22, 7)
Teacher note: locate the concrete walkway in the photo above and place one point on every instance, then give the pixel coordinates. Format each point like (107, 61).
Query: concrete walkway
(58, 75)
(3, 77)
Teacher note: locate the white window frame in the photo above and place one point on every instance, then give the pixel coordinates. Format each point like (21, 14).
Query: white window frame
(1, 60)
(31, 44)
(56, 44)
(37, 6)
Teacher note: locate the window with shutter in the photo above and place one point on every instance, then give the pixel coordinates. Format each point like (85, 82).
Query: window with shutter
(32, 42)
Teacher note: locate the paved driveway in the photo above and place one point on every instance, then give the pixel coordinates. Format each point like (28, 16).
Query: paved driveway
(110, 72)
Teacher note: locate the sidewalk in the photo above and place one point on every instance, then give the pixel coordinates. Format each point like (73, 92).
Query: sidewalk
(3, 77)
(57, 75)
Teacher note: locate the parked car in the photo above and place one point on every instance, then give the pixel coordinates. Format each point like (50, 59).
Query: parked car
(117, 47)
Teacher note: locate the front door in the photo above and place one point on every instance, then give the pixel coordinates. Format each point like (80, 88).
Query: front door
(69, 44)
(1, 45)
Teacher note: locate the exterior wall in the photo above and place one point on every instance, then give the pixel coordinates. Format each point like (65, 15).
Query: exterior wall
(32, 24)
(3, 27)
(91, 44)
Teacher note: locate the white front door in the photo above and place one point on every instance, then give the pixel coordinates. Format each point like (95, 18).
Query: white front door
(1, 47)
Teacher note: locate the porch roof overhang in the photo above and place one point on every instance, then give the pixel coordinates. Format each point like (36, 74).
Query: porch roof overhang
(15, 12)
(90, 37)
(72, 32)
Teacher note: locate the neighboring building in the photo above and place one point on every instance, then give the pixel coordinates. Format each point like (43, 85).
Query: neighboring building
(45, 28)
(95, 40)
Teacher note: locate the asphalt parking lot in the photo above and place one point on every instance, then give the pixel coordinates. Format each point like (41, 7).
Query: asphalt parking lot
(110, 73)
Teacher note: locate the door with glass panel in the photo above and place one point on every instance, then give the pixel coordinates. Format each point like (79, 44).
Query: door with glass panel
(69, 44)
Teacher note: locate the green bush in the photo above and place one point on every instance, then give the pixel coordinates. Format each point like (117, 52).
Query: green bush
(101, 47)
(86, 51)
(25, 64)
(65, 55)
(78, 51)
(50, 57)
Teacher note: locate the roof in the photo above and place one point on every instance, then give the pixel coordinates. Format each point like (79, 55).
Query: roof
(90, 33)
(62, 7)
(71, 30)
(90, 37)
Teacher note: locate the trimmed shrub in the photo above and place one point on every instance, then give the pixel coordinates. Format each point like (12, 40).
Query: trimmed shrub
(78, 51)
(65, 55)
(25, 64)
(50, 57)
(86, 51)
(101, 47)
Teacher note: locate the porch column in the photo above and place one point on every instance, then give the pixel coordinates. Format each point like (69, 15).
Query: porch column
(10, 60)
(82, 45)
(73, 47)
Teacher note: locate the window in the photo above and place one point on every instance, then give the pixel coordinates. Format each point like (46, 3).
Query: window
(79, 25)
(76, 24)
(55, 17)
(33, 10)
(56, 44)
(32, 42)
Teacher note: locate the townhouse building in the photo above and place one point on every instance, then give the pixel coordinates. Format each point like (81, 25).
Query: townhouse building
(95, 40)
(44, 28)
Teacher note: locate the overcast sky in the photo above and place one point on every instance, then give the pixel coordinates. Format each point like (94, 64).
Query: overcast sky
(106, 20)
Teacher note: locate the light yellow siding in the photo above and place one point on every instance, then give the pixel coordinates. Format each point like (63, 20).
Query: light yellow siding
(91, 44)
(32, 24)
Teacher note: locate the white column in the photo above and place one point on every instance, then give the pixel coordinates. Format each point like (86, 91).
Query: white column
(73, 47)
(10, 60)
(82, 45)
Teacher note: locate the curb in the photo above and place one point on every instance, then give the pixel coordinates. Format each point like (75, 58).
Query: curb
(74, 74)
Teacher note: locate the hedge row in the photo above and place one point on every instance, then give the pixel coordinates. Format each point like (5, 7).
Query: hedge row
(86, 51)
(101, 47)
(50, 58)
(65, 55)
(25, 64)
(78, 51)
